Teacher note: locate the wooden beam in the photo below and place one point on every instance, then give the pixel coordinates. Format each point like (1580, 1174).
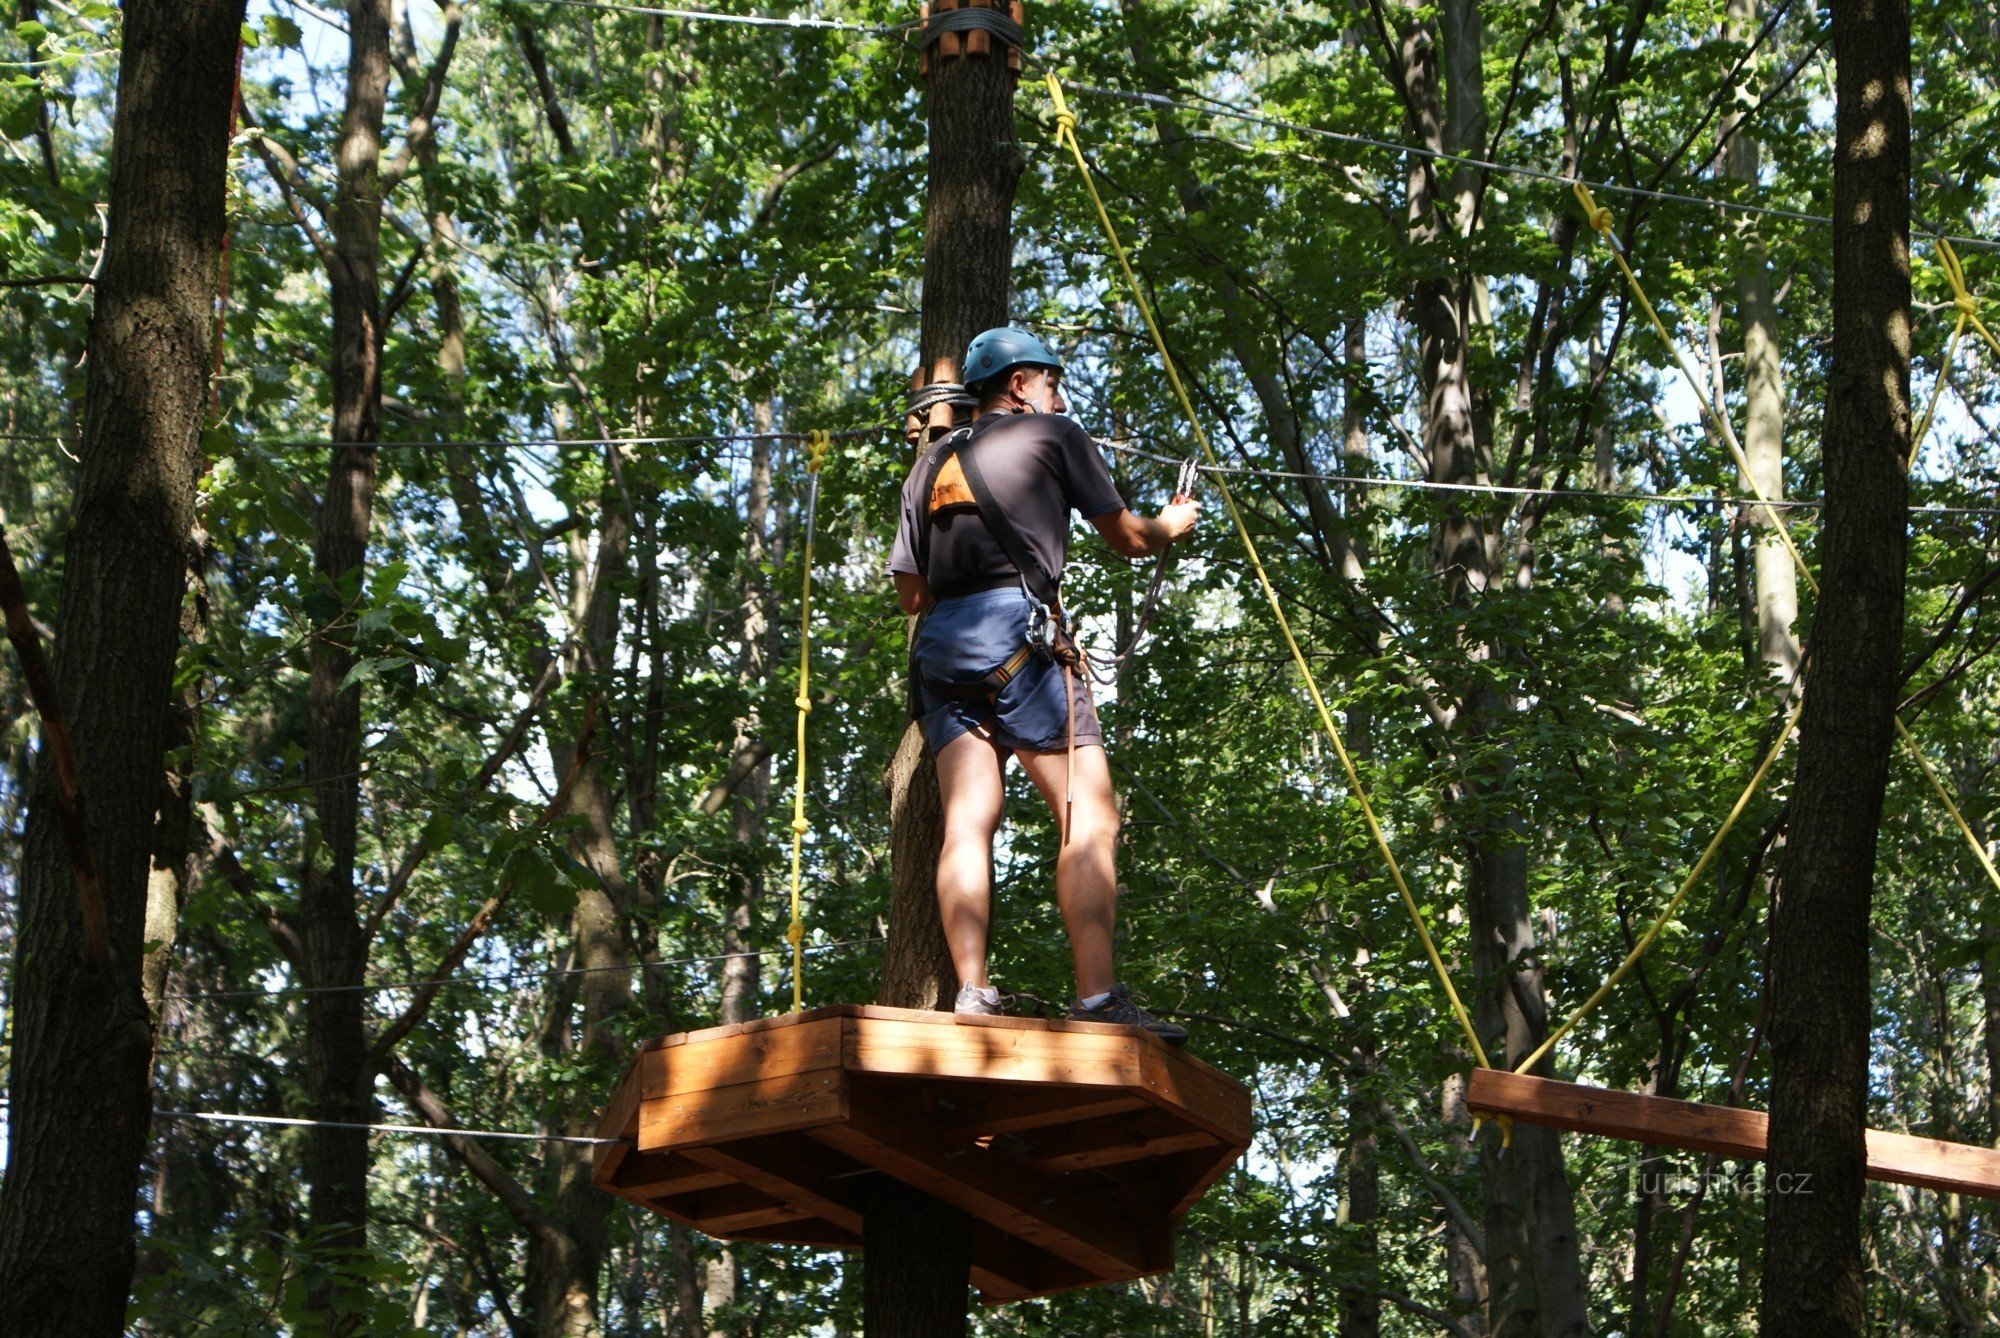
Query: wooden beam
(621, 1120)
(660, 1175)
(1118, 1138)
(730, 1207)
(746, 1110)
(1902, 1159)
(1022, 1202)
(792, 1170)
(743, 1056)
(1013, 1113)
(893, 1047)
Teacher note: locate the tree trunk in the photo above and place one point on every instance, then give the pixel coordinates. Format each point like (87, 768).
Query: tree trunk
(1775, 580)
(1534, 1273)
(75, 1145)
(565, 1263)
(1813, 1260)
(918, 1250)
(339, 1076)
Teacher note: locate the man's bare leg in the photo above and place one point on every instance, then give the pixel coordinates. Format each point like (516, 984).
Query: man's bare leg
(970, 772)
(1086, 869)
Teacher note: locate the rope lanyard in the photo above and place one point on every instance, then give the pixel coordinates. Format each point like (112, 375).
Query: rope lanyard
(1600, 220)
(1066, 135)
(817, 445)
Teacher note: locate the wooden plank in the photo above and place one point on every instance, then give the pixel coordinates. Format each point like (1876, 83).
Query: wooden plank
(1202, 1095)
(750, 1218)
(1020, 1201)
(659, 1175)
(773, 1106)
(947, 43)
(792, 1170)
(1006, 1268)
(1903, 1159)
(921, 1050)
(621, 1120)
(810, 1232)
(1189, 1175)
(1116, 1139)
(1006, 1112)
(743, 1056)
(1015, 11)
(730, 1207)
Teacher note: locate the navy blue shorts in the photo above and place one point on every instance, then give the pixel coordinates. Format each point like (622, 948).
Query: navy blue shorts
(967, 637)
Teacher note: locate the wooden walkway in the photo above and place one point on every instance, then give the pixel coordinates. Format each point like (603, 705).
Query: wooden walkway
(1074, 1146)
(1903, 1159)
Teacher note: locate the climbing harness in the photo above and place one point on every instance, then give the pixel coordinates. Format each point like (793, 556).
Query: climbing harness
(1066, 136)
(817, 446)
(1048, 633)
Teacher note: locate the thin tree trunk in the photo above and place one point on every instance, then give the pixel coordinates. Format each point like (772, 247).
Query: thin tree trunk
(1775, 580)
(918, 1251)
(1360, 1308)
(1534, 1273)
(339, 1077)
(1814, 1264)
(75, 1147)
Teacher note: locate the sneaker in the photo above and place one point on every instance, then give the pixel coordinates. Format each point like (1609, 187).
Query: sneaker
(1120, 1009)
(977, 1001)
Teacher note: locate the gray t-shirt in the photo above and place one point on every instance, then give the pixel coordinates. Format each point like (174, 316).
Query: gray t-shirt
(1038, 467)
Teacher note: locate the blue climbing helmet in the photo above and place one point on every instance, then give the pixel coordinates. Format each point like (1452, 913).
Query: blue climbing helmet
(1002, 349)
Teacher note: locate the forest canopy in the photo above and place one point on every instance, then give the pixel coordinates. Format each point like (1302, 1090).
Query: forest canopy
(609, 267)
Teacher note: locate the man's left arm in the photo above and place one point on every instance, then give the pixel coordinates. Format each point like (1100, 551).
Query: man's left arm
(913, 592)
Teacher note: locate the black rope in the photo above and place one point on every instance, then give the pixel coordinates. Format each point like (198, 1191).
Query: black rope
(922, 401)
(974, 18)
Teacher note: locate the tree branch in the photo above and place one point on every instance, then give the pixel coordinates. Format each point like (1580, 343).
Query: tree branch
(516, 734)
(423, 119)
(290, 180)
(413, 1016)
(50, 281)
(62, 760)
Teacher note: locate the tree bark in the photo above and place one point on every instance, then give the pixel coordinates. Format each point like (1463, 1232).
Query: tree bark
(339, 1077)
(1774, 579)
(75, 1146)
(1814, 1264)
(917, 1250)
(1534, 1272)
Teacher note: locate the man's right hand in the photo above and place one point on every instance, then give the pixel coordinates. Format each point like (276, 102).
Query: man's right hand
(1179, 517)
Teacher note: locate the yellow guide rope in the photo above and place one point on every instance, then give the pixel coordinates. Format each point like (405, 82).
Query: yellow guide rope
(1066, 135)
(817, 445)
(1600, 220)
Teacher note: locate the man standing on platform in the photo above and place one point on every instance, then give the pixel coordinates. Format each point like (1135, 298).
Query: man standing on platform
(979, 552)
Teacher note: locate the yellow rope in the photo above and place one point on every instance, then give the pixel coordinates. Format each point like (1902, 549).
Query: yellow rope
(1666, 915)
(1600, 220)
(817, 445)
(1066, 135)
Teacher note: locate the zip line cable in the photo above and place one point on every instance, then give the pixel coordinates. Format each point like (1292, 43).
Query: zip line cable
(1066, 135)
(401, 1130)
(805, 23)
(1506, 490)
(1600, 221)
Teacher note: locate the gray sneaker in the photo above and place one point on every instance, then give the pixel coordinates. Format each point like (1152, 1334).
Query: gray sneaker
(1120, 1010)
(977, 1001)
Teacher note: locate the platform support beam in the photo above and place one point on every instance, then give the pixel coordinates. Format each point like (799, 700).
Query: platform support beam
(1902, 1159)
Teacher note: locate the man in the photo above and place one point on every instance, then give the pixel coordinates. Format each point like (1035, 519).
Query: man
(979, 552)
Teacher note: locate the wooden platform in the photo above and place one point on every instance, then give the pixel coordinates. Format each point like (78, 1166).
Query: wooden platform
(1073, 1145)
(1902, 1159)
